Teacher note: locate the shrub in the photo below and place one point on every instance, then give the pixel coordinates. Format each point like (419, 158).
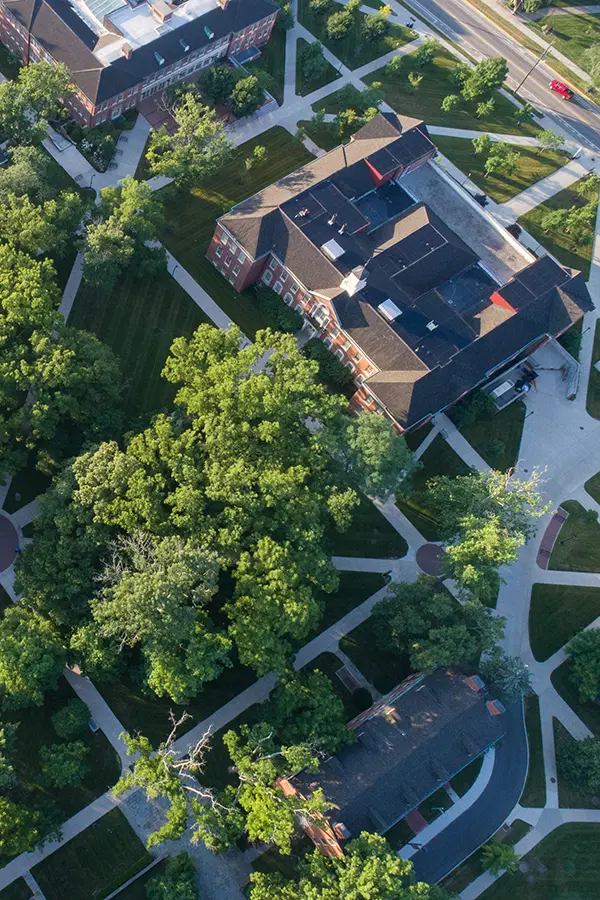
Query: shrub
(280, 316)
(339, 24)
(476, 406)
(330, 368)
(375, 27)
(246, 97)
(72, 720)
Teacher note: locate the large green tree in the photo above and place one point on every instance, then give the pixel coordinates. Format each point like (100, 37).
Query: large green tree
(26, 102)
(32, 657)
(177, 881)
(19, 830)
(584, 653)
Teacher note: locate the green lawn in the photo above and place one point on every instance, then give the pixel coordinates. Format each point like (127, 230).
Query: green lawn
(35, 730)
(533, 165)
(137, 890)
(18, 890)
(438, 459)
(570, 795)
(577, 548)
(94, 862)
(369, 535)
(564, 865)
(593, 394)
(571, 34)
(425, 101)
(348, 97)
(305, 86)
(498, 439)
(326, 135)
(534, 792)
(355, 587)
(139, 320)
(467, 776)
(414, 439)
(191, 218)
(352, 49)
(558, 242)
(557, 613)
(382, 668)
(588, 712)
(272, 61)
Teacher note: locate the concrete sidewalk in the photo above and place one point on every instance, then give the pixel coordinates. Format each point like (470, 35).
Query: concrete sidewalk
(542, 190)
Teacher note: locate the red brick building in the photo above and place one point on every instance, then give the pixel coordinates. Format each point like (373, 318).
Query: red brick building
(122, 51)
(401, 297)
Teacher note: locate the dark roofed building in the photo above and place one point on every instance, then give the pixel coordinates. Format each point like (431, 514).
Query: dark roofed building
(121, 52)
(387, 282)
(409, 744)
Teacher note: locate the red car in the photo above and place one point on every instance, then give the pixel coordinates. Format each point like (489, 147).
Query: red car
(561, 88)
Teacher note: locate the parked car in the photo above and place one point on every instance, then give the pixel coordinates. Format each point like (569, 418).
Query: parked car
(561, 88)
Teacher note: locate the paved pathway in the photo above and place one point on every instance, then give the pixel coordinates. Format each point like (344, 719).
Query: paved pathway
(100, 711)
(71, 287)
(538, 193)
(592, 10)
(459, 444)
(198, 294)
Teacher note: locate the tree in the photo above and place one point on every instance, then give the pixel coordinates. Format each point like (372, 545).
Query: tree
(415, 79)
(44, 85)
(524, 113)
(304, 709)
(258, 156)
(427, 52)
(197, 150)
(450, 102)
(29, 174)
(217, 82)
(484, 78)
(72, 720)
(19, 831)
(485, 108)
(319, 6)
(246, 97)
(554, 220)
(479, 405)
(374, 27)
(371, 453)
(549, 140)
(339, 24)
(348, 121)
(369, 868)
(591, 61)
(508, 676)
(473, 556)
(63, 765)
(8, 733)
(394, 66)
(482, 145)
(531, 6)
(312, 61)
(175, 578)
(177, 881)
(579, 763)
(584, 653)
(501, 158)
(32, 657)
(497, 857)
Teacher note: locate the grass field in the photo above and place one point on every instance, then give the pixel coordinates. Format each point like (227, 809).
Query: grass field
(466, 777)
(382, 668)
(564, 865)
(533, 165)
(139, 321)
(588, 712)
(355, 587)
(534, 792)
(352, 49)
(18, 890)
(593, 394)
(571, 34)
(304, 85)
(506, 428)
(558, 242)
(578, 546)
(137, 890)
(272, 61)
(425, 101)
(557, 613)
(326, 135)
(570, 795)
(191, 219)
(94, 862)
(592, 486)
(35, 730)
(369, 535)
(438, 459)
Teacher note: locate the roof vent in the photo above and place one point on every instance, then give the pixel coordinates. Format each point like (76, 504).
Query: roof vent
(186, 46)
(159, 59)
(209, 34)
(331, 221)
(431, 326)
(332, 249)
(389, 310)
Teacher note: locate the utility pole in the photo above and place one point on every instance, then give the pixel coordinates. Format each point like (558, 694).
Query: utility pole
(536, 63)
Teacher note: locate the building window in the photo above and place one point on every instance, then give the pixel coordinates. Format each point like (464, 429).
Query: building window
(267, 277)
(236, 270)
(350, 366)
(346, 345)
(231, 279)
(294, 288)
(335, 332)
(228, 259)
(273, 264)
(242, 257)
(288, 298)
(278, 287)
(328, 342)
(339, 354)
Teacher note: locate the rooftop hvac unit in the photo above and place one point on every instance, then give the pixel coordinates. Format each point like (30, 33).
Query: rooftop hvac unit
(332, 249)
(431, 326)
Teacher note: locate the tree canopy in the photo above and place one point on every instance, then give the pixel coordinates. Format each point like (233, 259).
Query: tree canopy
(584, 656)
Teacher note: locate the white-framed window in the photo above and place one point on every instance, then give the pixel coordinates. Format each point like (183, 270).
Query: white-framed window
(224, 240)
(236, 270)
(273, 264)
(294, 288)
(335, 332)
(219, 251)
(350, 366)
(288, 298)
(242, 257)
(328, 342)
(346, 345)
(228, 259)
(267, 277)
(231, 279)
(339, 354)
(278, 287)
(298, 307)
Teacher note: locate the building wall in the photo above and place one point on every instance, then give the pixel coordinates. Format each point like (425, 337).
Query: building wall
(15, 37)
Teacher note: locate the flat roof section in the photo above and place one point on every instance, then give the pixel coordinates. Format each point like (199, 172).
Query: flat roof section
(500, 257)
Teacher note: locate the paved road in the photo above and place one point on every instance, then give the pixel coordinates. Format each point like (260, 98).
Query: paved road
(463, 24)
(486, 815)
